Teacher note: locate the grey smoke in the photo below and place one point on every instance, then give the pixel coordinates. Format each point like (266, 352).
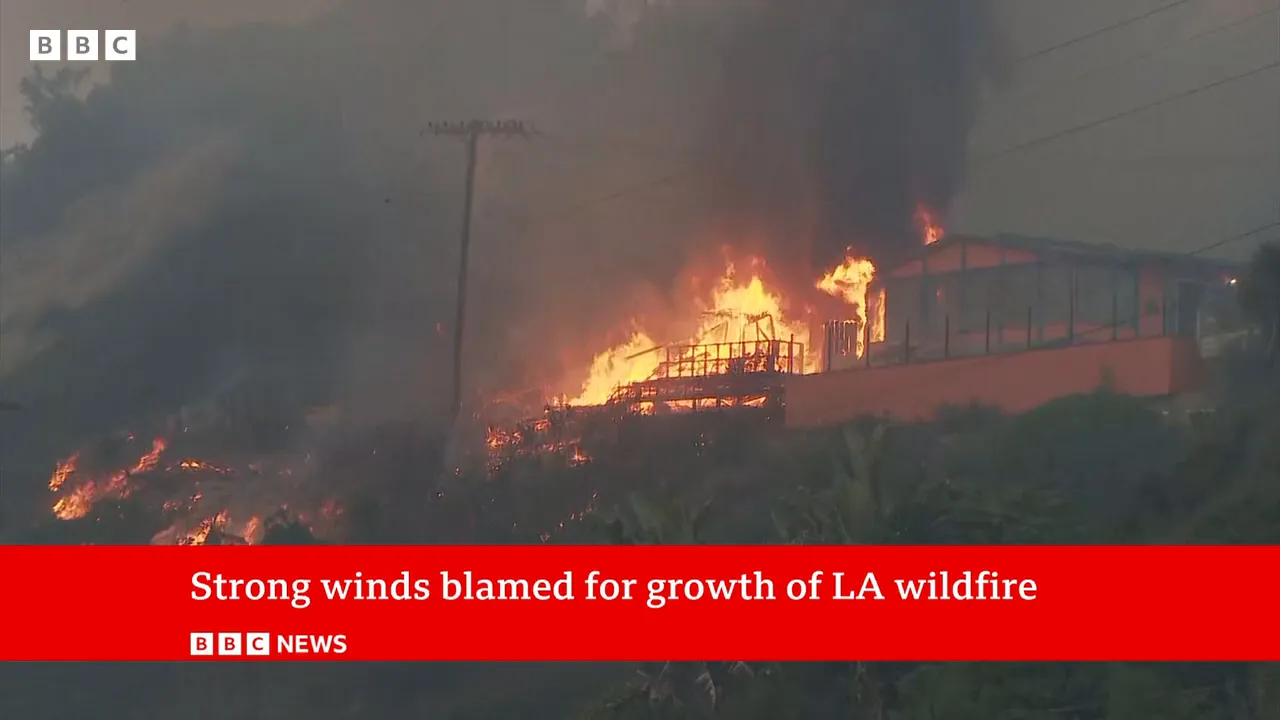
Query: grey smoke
(258, 200)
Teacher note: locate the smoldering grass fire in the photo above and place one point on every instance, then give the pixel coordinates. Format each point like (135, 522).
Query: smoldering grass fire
(204, 501)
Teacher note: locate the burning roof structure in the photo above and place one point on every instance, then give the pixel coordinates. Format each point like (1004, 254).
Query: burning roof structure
(748, 335)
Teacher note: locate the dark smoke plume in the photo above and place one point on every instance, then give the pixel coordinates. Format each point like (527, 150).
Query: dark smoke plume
(839, 117)
(257, 203)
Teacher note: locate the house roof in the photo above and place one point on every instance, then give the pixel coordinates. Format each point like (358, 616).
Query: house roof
(1083, 250)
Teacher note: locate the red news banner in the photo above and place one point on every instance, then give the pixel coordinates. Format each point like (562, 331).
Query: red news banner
(643, 603)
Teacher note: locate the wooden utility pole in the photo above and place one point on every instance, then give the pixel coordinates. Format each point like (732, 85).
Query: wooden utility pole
(470, 131)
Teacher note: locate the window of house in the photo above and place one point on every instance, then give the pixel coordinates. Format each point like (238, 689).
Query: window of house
(1095, 293)
(944, 301)
(1020, 291)
(902, 305)
(1055, 294)
(1127, 297)
(982, 295)
(1189, 298)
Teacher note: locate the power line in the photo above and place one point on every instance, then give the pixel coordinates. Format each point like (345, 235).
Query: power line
(687, 171)
(1103, 30)
(1138, 57)
(1044, 139)
(1235, 238)
(650, 147)
(1131, 111)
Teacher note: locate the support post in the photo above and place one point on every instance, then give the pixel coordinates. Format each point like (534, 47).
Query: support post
(1030, 314)
(1115, 316)
(866, 344)
(470, 132)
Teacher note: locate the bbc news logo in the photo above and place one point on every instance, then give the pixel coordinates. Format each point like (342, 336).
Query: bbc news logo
(82, 45)
(259, 644)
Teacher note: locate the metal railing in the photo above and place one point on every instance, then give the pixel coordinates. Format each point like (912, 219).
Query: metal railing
(942, 341)
(732, 358)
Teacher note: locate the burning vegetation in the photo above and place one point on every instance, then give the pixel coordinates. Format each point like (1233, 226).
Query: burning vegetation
(204, 502)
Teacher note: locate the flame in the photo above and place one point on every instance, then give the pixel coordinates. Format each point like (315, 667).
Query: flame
(737, 310)
(78, 502)
(851, 281)
(253, 530)
(149, 460)
(191, 465)
(632, 361)
(62, 471)
(207, 527)
(218, 525)
(196, 499)
(930, 229)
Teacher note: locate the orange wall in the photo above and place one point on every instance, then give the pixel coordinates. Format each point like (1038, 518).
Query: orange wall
(1015, 338)
(974, 255)
(1014, 382)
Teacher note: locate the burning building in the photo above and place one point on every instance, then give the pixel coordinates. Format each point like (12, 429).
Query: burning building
(1003, 321)
(1013, 322)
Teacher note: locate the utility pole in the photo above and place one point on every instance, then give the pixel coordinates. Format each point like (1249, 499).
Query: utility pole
(470, 131)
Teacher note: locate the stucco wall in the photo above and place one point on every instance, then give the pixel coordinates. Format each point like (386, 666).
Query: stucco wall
(1014, 382)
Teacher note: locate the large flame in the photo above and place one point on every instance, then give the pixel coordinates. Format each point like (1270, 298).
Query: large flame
(738, 310)
(632, 361)
(851, 281)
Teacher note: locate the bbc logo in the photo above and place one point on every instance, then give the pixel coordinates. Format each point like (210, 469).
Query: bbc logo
(82, 45)
(225, 644)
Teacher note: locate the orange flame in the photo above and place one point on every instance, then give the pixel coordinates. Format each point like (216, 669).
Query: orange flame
(851, 281)
(930, 229)
(80, 500)
(191, 465)
(737, 310)
(206, 528)
(62, 471)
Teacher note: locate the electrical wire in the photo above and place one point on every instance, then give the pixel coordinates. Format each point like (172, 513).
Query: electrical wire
(1027, 145)
(1200, 35)
(1235, 238)
(1166, 100)
(1132, 20)
(649, 147)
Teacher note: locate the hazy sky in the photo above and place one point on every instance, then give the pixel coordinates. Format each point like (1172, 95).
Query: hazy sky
(1176, 176)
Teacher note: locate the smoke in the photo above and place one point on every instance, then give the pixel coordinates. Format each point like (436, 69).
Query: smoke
(837, 119)
(260, 201)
